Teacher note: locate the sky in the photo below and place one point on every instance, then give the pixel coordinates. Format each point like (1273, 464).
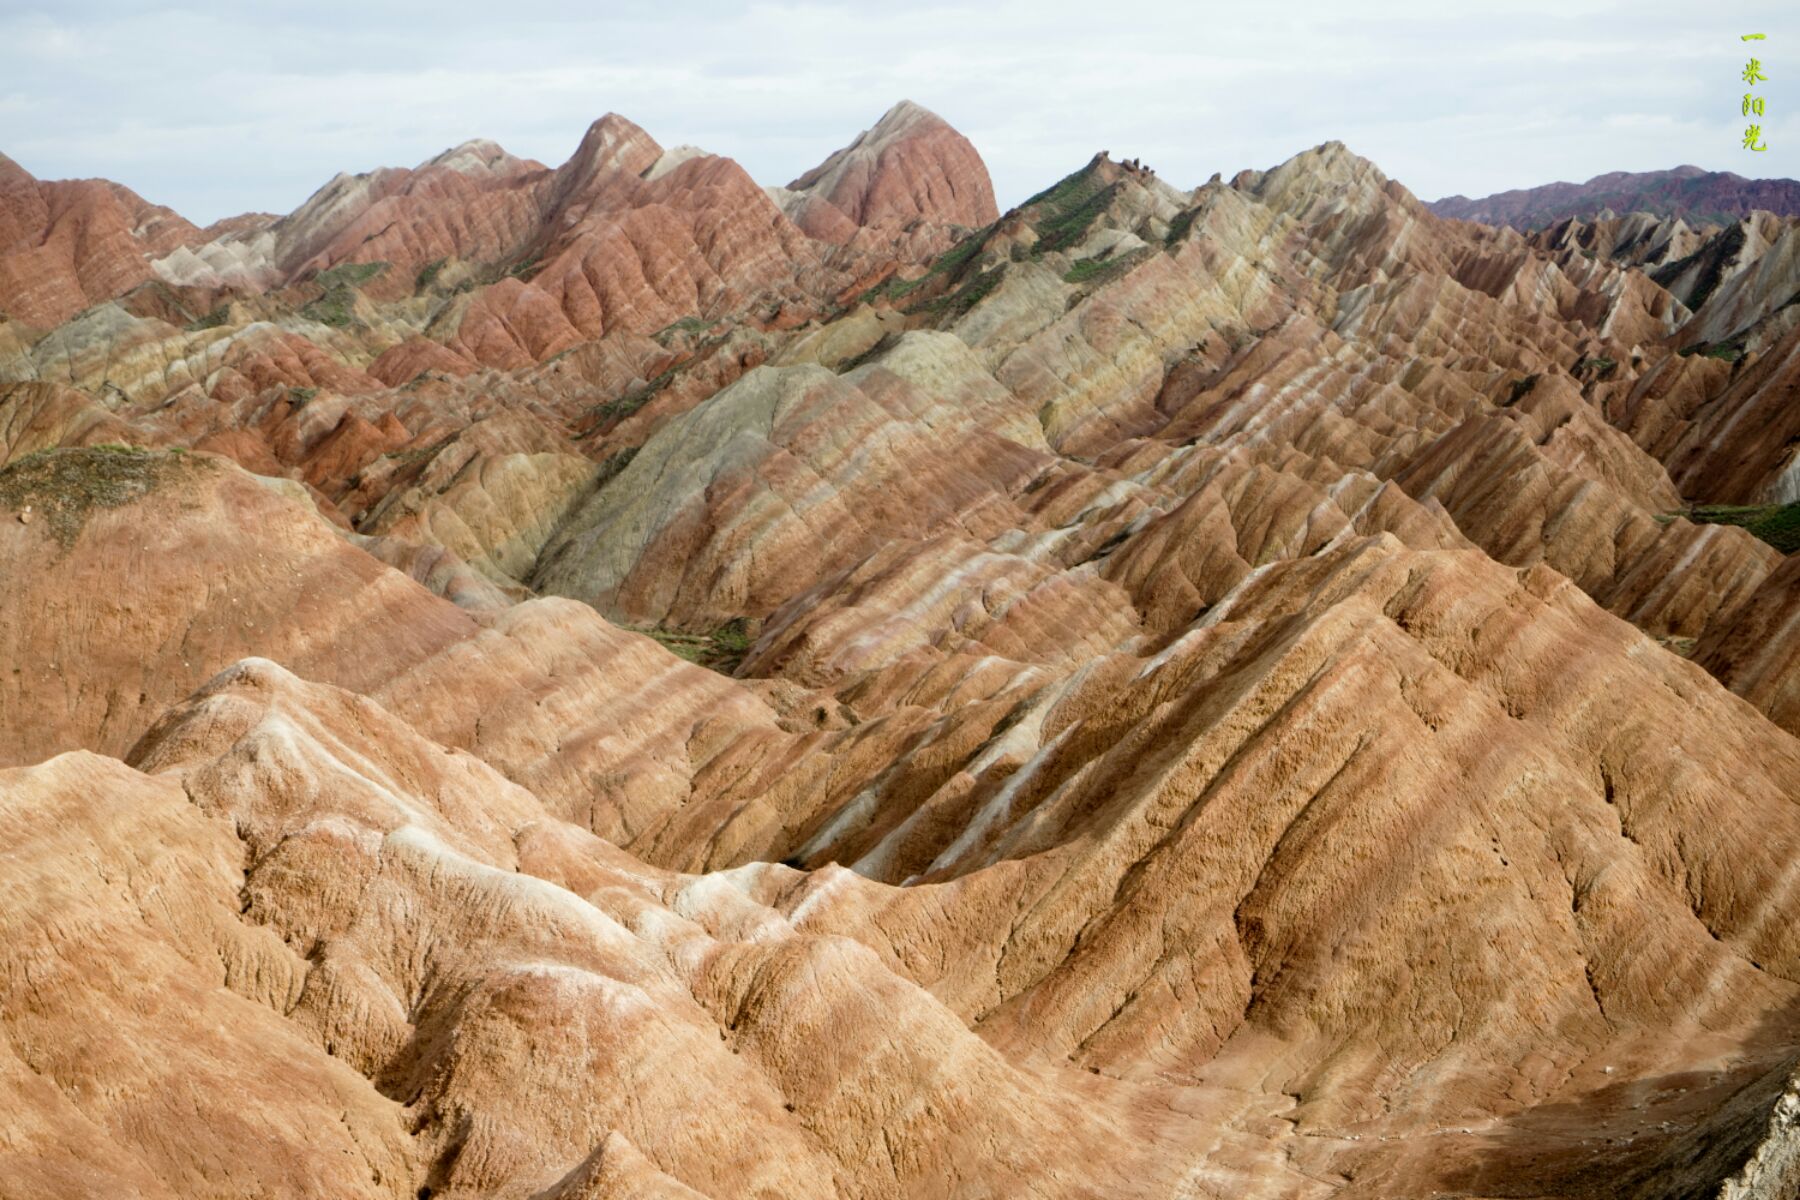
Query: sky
(216, 110)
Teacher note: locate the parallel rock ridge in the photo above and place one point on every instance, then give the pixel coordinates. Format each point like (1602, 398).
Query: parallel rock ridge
(614, 681)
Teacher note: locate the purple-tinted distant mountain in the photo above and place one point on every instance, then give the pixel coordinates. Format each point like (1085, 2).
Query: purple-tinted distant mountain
(1686, 192)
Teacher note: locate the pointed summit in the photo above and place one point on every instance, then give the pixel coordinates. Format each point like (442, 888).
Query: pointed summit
(611, 144)
(612, 149)
(910, 165)
(1333, 161)
(1328, 178)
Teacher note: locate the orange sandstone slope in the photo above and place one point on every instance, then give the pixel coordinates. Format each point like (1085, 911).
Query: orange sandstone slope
(70, 244)
(1154, 693)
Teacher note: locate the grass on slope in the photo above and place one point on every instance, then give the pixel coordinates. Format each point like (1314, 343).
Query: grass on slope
(694, 326)
(1776, 524)
(947, 263)
(337, 306)
(722, 650)
(349, 274)
(1061, 215)
(63, 487)
(1105, 268)
(1178, 228)
(1065, 210)
(1727, 351)
(623, 405)
(212, 320)
(334, 308)
(964, 298)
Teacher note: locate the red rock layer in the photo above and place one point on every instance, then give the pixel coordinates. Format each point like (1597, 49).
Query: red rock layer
(67, 245)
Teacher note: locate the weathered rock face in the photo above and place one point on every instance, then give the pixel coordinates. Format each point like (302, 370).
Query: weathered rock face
(1248, 692)
(64, 246)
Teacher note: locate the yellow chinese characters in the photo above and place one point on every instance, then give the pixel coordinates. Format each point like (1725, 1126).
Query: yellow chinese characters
(1753, 104)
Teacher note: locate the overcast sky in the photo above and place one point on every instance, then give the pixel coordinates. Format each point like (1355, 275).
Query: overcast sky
(215, 110)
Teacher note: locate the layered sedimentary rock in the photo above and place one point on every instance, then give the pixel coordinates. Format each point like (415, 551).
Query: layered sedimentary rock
(646, 686)
(909, 166)
(69, 244)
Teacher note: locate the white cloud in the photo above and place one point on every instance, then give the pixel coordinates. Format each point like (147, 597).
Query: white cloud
(253, 106)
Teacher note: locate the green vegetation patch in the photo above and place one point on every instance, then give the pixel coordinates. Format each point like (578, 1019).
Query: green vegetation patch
(1521, 388)
(722, 650)
(1103, 268)
(349, 274)
(957, 256)
(1066, 210)
(417, 454)
(688, 326)
(63, 487)
(1069, 191)
(1729, 350)
(973, 290)
(614, 464)
(1712, 256)
(883, 344)
(428, 274)
(1178, 228)
(948, 263)
(891, 288)
(1086, 269)
(336, 308)
(1601, 367)
(620, 407)
(211, 320)
(1776, 524)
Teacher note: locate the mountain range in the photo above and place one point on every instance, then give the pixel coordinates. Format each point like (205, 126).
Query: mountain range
(618, 681)
(1687, 192)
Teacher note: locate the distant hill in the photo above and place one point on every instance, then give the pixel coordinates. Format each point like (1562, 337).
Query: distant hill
(1686, 192)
